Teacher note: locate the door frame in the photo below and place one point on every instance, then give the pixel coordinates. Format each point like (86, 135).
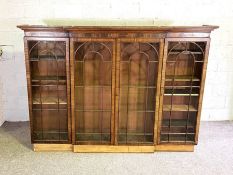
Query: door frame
(204, 68)
(29, 86)
(72, 67)
(157, 97)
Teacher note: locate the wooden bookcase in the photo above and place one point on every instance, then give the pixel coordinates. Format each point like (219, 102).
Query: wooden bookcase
(115, 89)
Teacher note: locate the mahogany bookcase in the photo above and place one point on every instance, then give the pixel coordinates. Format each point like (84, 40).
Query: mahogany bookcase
(115, 89)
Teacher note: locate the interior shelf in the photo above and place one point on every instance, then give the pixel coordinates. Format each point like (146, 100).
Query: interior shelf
(178, 138)
(49, 100)
(180, 87)
(48, 58)
(179, 108)
(48, 78)
(93, 86)
(93, 110)
(177, 133)
(51, 136)
(93, 137)
(181, 92)
(175, 52)
(181, 78)
(143, 87)
(135, 138)
(177, 123)
(131, 110)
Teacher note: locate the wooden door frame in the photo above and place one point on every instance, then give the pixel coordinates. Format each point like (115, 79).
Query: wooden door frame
(72, 67)
(28, 76)
(204, 68)
(118, 57)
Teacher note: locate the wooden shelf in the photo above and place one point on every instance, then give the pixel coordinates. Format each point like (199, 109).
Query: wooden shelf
(49, 78)
(181, 78)
(177, 138)
(147, 111)
(181, 92)
(48, 100)
(135, 138)
(180, 87)
(93, 86)
(54, 136)
(93, 137)
(174, 52)
(142, 87)
(177, 123)
(176, 133)
(93, 110)
(48, 58)
(179, 108)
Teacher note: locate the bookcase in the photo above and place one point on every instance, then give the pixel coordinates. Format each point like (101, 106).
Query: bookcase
(115, 89)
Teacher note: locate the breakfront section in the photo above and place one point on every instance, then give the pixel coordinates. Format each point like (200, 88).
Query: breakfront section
(115, 89)
(47, 64)
(184, 69)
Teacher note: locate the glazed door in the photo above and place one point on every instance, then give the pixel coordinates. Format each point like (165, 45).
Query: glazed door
(137, 90)
(47, 63)
(182, 89)
(93, 83)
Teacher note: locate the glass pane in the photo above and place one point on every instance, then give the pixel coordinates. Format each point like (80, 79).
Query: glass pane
(49, 93)
(181, 92)
(138, 80)
(93, 92)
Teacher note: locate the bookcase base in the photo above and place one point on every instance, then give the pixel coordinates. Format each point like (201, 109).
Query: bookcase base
(112, 148)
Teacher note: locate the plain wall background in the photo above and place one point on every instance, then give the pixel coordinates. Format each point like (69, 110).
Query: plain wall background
(218, 96)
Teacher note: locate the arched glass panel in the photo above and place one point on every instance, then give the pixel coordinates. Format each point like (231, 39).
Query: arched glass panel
(49, 91)
(137, 97)
(93, 92)
(181, 91)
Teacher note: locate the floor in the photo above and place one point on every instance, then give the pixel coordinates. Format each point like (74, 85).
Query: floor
(213, 155)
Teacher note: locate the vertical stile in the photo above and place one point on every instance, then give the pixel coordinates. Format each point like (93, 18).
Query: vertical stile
(68, 87)
(113, 92)
(190, 97)
(163, 79)
(158, 91)
(202, 84)
(29, 88)
(117, 101)
(72, 68)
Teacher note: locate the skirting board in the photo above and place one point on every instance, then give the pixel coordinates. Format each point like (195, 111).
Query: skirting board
(112, 148)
